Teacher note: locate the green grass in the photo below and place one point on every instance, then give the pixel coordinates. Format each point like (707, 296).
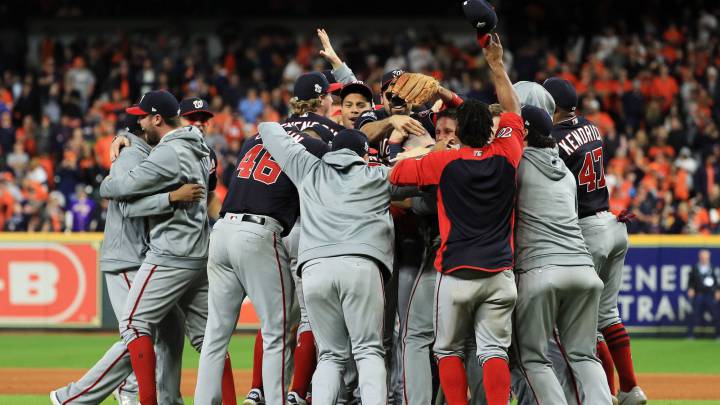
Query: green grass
(676, 356)
(82, 350)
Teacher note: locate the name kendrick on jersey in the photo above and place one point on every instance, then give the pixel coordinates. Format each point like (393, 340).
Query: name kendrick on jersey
(578, 137)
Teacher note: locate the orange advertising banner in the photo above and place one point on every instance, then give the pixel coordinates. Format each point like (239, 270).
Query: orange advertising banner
(49, 281)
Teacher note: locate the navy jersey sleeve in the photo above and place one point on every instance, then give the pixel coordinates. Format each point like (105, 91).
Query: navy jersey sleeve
(212, 181)
(367, 117)
(315, 146)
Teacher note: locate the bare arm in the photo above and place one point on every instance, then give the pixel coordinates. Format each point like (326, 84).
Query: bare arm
(503, 87)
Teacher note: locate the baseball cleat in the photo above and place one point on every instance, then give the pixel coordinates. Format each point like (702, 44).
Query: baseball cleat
(294, 398)
(636, 396)
(125, 399)
(54, 398)
(254, 397)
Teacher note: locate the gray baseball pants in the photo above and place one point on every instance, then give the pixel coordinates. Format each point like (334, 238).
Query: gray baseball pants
(246, 259)
(566, 296)
(345, 306)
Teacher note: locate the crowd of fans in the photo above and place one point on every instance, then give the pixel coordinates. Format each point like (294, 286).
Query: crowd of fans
(654, 94)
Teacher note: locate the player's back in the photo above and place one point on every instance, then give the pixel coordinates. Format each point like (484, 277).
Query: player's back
(258, 186)
(581, 147)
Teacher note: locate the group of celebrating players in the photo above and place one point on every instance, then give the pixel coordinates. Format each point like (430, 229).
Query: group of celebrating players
(413, 252)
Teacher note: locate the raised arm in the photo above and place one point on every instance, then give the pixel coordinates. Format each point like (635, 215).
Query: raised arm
(340, 70)
(503, 87)
(292, 157)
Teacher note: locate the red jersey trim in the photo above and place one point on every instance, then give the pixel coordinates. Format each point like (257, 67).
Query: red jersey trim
(448, 271)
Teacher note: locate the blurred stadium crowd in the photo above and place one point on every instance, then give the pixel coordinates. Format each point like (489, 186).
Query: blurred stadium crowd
(653, 91)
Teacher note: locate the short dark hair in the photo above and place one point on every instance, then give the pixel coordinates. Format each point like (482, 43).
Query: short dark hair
(172, 121)
(536, 139)
(474, 123)
(447, 113)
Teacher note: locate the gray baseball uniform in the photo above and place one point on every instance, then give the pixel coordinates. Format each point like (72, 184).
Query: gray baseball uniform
(345, 248)
(123, 249)
(173, 271)
(557, 284)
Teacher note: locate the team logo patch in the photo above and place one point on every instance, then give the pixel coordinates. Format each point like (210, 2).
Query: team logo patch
(318, 88)
(504, 133)
(477, 153)
(197, 103)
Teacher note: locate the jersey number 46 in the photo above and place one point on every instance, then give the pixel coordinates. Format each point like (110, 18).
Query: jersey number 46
(592, 174)
(266, 170)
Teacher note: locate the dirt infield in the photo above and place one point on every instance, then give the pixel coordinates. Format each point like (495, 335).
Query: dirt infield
(41, 381)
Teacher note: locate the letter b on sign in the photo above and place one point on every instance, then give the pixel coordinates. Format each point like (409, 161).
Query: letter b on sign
(33, 283)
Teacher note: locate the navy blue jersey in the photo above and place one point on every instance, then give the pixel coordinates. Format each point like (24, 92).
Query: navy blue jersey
(212, 181)
(581, 148)
(426, 118)
(307, 120)
(258, 186)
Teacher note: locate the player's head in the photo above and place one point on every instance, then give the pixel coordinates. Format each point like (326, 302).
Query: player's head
(355, 98)
(446, 126)
(157, 114)
(311, 93)
(196, 112)
(392, 103)
(538, 126)
(474, 123)
(704, 256)
(496, 110)
(353, 140)
(564, 95)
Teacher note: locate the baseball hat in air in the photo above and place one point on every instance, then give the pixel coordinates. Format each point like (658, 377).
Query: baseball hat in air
(536, 119)
(388, 77)
(194, 105)
(358, 87)
(562, 92)
(481, 16)
(351, 139)
(156, 102)
(311, 85)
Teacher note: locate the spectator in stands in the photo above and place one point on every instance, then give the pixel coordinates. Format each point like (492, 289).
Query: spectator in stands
(251, 106)
(81, 210)
(704, 291)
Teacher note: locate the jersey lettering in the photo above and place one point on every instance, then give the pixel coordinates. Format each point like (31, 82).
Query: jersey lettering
(266, 171)
(588, 176)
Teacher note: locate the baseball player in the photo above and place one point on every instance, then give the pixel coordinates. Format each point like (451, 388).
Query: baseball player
(122, 252)
(556, 281)
(581, 148)
(344, 257)
(476, 190)
(260, 208)
(173, 269)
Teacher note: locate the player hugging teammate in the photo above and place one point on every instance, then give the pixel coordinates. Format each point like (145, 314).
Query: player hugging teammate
(497, 257)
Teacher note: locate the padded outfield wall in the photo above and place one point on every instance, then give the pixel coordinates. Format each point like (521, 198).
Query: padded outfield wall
(52, 281)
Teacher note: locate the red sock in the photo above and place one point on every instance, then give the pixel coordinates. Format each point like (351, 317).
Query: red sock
(496, 380)
(257, 381)
(228, 384)
(453, 380)
(142, 357)
(608, 364)
(305, 361)
(618, 342)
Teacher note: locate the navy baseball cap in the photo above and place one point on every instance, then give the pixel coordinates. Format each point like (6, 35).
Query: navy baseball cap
(334, 86)
(156, 102)
(311, 85)
(388, 77)
(536, 119)
(194, 105)
(358, 87)
(562, 92)
(481, 15)
(351, 139)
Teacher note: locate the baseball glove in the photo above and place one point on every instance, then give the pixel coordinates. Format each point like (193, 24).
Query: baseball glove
(415, 88)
